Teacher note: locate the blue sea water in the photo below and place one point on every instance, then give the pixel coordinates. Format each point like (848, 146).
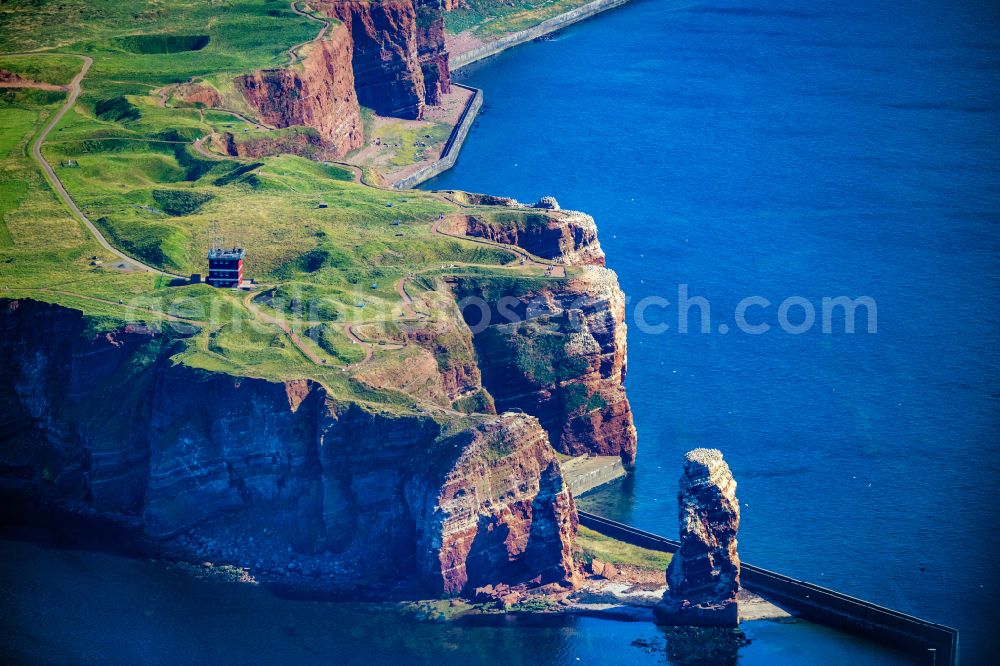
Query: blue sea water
(786, 149)
(69, 598)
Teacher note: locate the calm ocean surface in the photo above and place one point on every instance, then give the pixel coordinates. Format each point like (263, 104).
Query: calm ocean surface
(743, 149)
(792, 149)
(67, 600)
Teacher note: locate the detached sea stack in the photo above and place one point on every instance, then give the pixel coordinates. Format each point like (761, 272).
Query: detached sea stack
(703, 578)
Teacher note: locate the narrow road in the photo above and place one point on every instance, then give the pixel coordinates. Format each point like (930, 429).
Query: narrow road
(50, 174)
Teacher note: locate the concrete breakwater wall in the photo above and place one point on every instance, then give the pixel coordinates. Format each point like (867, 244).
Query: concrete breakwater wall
(584, 473)
(451, 148)
(454, 144)
(545, 27)
(936, 643)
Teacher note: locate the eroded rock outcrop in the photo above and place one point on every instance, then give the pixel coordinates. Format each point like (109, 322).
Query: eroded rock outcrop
(703, 577)
(566, 237)
(399, 58)
(301, 141)
(318, 92)
(268, 474)
(558, 352)
(197, 94)
(503, 511)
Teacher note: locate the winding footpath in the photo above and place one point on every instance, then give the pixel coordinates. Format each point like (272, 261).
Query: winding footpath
(293, 53)
(283, 325)
(527, 259)
(410, 315)
(36, 152)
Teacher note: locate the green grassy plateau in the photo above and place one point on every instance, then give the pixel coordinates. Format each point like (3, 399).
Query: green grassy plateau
(329, 255)
(593, 545)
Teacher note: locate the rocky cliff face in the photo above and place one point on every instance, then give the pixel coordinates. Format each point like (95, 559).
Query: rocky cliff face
(399, 59)
(506, 465)
(388, 54)
(270, 475)
(318, 92)
(431, 49)
(557, 352)
(704, 576)
(293, 141)
(567, 237)
(554, 349)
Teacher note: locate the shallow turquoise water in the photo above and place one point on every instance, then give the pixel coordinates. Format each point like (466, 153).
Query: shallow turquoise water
(789, 150)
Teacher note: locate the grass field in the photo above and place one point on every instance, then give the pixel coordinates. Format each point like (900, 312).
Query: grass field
(593, 545)
(55, 69)
(329, 251)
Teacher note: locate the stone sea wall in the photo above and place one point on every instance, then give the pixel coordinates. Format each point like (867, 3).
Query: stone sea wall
(451, 149)
(551, 25)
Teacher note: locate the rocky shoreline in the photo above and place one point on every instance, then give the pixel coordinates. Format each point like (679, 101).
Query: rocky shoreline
(616, 592)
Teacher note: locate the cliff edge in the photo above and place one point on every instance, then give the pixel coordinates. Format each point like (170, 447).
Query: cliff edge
(275, 476)
(318, 92)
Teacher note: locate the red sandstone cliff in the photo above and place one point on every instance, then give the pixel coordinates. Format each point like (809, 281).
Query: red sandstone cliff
(275, 476)
(399, 58)
(388, 55)
(318, 92)
(431, 49)
(503, 511)
(557, 350)
(567, 237)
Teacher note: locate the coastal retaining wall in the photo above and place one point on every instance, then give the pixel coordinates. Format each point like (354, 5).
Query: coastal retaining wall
(937, 643)
(451, 147)
(460, 60)
(584, 473)
(454, 144)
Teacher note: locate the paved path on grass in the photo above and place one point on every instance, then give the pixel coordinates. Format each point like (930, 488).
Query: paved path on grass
(50, 174)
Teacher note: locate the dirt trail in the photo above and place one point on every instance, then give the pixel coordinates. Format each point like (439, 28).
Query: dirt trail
(32, 84)
(527, 259)
(36, 152)
(198, 146)
(408, 310)
(283, 325)
(293, 53)
(369, 352)
(357, 173)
